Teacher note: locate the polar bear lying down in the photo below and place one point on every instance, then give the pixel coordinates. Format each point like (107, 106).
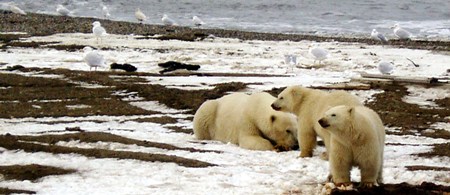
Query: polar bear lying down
(246, 120)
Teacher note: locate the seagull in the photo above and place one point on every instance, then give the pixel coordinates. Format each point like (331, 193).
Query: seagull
(105, 12)
(378, 36)
(62, 10)
(385, 67)
(318, 53)
(93, 58)
(400, 32)
(98, 30)
(168, 21)
(290, 60)
(139, 15)
(15, 9)
(197, 21)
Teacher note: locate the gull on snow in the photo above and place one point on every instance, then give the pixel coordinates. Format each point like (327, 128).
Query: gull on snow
(92, 58)
(98, 30)
(318, 53)
(385, 67)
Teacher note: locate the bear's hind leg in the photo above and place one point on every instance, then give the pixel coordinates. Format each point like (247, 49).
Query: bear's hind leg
(204, 120)
(369, 175)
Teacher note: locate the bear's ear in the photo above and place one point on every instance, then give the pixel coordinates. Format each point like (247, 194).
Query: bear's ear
(273, 118)
(351, 110)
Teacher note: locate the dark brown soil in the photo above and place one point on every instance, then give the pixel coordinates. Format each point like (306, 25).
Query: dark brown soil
(31, 172)
(14, 191)
(411, 118)
(23, 97)
(425, 188)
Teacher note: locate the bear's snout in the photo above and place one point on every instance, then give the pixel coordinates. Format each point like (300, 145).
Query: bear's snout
(324, 123)
(275, 107)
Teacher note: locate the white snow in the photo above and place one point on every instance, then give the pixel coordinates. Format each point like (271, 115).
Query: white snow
(239, 171)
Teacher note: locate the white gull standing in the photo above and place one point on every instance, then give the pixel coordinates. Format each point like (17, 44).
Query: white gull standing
(98, 30)
(378, 36)
(385, 67)
(318, 53)
(139, 15)
(400, 32)
(105, 12)
(15, 9)
(62, 10)
(168, 21)
(93, 58)
(197, 21)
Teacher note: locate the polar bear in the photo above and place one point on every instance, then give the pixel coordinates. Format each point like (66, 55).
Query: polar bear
(356, 139)
(309, 105)
(246, 120)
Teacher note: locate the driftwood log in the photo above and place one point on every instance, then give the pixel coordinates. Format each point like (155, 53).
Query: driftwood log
(172, 65)
(401, 79)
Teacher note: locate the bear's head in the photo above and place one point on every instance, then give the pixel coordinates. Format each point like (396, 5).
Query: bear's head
(337, 119)
(287, 99)
(283, 131)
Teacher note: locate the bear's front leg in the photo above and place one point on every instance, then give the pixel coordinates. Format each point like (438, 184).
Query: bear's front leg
(340, 158)
(254, 142)
(307, 140)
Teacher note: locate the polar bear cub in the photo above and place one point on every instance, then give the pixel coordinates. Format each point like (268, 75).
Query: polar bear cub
(309, 105)
(246, 120)
(357, 139)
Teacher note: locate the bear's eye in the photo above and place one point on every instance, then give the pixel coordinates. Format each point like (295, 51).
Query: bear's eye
(333, 115)
(281, 98)
(288, 131)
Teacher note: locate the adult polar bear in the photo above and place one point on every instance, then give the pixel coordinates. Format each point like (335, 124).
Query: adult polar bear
(246, 120)
(309, 105)
(356, 138)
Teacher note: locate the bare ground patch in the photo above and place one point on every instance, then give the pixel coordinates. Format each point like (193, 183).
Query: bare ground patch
(411, 118)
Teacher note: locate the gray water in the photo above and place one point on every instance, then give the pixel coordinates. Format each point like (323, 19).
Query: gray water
(425, 19)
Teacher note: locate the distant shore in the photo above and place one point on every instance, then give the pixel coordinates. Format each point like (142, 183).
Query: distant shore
(42, 25)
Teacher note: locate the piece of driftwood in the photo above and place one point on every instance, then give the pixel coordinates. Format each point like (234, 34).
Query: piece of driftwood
(126, 67)
(172, 65)
(345, 86)
(416, 65)
(402, 79)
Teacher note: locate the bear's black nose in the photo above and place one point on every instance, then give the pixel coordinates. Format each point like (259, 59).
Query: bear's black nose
(323, 123)
(275, 107)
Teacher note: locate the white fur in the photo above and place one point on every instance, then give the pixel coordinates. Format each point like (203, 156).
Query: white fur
(246, 120)
(356, 139)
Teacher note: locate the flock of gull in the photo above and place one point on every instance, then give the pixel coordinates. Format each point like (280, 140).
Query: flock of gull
(95, 59)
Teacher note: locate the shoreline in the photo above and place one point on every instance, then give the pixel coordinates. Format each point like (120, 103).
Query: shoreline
(42, 25)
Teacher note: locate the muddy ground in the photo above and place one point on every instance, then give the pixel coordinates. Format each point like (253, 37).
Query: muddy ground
(20, 95)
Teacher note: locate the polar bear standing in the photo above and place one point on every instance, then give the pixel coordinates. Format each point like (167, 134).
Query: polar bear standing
(309, 105)
(356, 139)
(246, 120)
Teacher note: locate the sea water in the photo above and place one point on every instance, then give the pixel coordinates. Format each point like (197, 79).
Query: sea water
(428, 19)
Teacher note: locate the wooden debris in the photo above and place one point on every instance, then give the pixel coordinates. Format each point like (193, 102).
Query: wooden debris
(345, 86)
(402, 79)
